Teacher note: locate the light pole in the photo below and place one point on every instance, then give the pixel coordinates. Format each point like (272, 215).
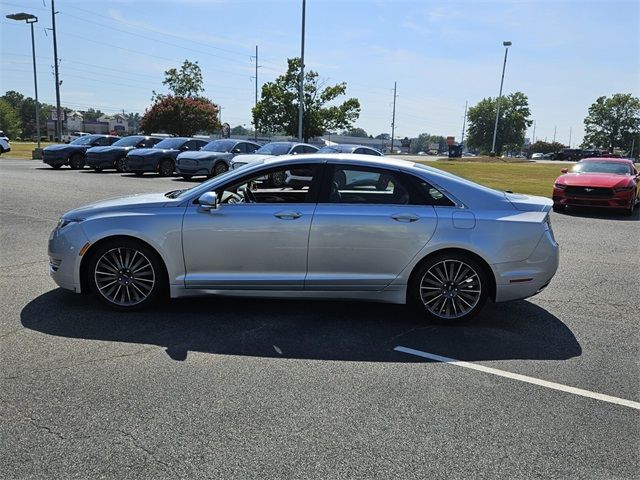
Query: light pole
(301, 85)
(495, 127)
(31, 19)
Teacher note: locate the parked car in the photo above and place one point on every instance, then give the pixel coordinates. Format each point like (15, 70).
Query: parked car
(430, 238)
(537, 156)
(113, 156)
(598, 182)
(71, 136)
(346, 148)
(214, 158)
(74, 153)
(274, 149)
(5, 146)
(568, 154)
(162, 157)
(549, 156)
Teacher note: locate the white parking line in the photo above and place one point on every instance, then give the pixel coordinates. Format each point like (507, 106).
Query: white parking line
(521, 378)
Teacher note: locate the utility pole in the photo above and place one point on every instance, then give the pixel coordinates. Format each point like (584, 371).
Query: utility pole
(55, 66)
(533, 140)
(301, 87)
(555, 129)
(570, 132)
(633, 144)
(464, 123)
(255, 104)
(506, 46)
(393, 118)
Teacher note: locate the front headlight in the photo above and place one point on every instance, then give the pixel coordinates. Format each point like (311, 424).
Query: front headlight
(560, 186)
(628, 188)
(63, 222)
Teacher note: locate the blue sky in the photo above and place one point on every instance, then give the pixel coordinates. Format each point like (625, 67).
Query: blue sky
(442, 53)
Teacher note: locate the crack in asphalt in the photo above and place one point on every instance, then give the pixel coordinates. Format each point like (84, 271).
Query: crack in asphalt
(79, 364)
(35, 422)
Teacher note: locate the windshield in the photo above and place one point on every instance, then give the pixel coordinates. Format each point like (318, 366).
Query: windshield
(615, 168)
(86, 140)
(274, 149)
(128, 141)
(170, 143)
(335, 149)
(219, 146)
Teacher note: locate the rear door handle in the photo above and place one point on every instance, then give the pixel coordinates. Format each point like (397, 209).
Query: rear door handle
(287, 215)
(405, 217)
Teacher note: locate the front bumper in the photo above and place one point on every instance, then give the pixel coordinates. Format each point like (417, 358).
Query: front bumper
(613, 200)
(64, 249)
(141, 164)
(192, 167)
(517, 280)
(95, 160)
(54, 160)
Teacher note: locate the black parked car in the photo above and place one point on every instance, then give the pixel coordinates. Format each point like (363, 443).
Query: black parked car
(162, 157)
(214, 158)
(113, 156)
(74, 153)
(347, 148)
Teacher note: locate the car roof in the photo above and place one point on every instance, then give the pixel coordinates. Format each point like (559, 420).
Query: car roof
(353, 158)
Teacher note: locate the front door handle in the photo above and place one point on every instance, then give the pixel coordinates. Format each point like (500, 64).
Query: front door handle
(405, 217)
(288, 215)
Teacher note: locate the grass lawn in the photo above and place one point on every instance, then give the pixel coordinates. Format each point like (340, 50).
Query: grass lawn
(23, 150)
(531, 178)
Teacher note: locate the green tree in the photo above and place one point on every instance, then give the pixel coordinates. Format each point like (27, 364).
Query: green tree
(181, 116)
(239, 130)
(545, 147)
(91, 115)
(512, 124)
(423, 142)
(356, 132)
(612, 122)
(383, 136)
(184, 82)
(277, 109)
(9, 120)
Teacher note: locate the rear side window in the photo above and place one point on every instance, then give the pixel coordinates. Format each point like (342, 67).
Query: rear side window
(428, 194)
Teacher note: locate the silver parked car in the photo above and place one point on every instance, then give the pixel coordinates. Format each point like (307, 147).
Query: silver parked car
(214, 158)
(427, 237)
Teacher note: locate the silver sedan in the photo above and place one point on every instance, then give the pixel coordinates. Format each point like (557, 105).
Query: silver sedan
(362, 228)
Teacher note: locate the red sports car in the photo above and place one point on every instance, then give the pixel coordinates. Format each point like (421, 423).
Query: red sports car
(598, 182)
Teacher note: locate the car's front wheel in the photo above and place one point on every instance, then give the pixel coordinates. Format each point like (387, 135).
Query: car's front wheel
(121, 164)
(449, 287)
(220, 168)
(165, 169)
(126, 275)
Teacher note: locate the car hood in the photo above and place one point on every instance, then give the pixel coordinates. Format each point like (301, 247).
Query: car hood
(59, 148)
(202, 155)
(605, 180)
(529, 203)
(108, 149)
(145, 200)
(252, 158)
(150, 152)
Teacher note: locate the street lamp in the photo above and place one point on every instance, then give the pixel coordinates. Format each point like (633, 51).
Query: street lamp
(495, 127)
(31, 19)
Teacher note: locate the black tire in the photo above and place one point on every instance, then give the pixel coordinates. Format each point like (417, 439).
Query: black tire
(56, 167)
(449, 287)
(165, 168)
(629, 211)
(219, 168)
(277, 179)
(559, 208)
(97, 169)
(76, 161)
(134, 286)
(121, 165)
(187, 177)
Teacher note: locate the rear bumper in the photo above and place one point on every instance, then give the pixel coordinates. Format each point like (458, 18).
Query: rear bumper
(517, 280)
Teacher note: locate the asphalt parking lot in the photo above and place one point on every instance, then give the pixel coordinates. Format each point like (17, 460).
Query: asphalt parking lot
(215, 388)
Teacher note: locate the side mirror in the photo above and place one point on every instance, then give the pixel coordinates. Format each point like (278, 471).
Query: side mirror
(564, 170)
(208, 201)
(235, 150)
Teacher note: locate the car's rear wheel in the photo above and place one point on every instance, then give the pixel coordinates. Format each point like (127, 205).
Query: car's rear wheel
(220, 168)
(98, 169)
(186, 177)
(76, 162)
(121, 164)
(165, 169)
(126, 275)
(56, 167)
(450, 287)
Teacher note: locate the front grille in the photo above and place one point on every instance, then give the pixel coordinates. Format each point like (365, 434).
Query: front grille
(593, 192)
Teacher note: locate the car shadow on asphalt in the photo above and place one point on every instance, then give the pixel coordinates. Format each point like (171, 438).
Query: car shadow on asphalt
(331, 330)
(601, 214)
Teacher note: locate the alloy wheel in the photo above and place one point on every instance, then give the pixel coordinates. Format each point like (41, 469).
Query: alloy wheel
(450, 289)
(124, 276)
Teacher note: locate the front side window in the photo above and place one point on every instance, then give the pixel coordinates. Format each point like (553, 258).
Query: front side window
(280, 185)
(101, 142)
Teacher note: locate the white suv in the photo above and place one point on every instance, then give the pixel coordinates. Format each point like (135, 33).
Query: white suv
(4, 143)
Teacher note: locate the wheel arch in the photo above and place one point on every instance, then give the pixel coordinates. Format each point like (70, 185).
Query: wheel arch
(461, 251)
(89, 254)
